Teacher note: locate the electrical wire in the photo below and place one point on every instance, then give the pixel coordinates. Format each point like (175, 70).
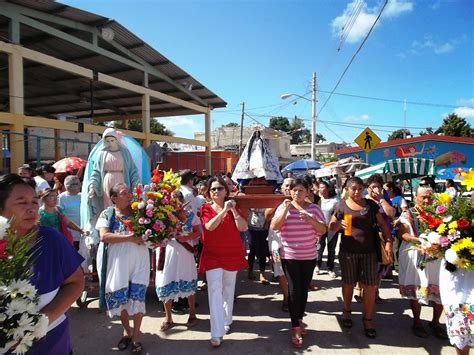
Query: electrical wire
(353, 57)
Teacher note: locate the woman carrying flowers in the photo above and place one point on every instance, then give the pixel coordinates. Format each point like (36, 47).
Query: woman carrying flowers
(419, 280)
(123, 263)
(56, 272)
(178, 275)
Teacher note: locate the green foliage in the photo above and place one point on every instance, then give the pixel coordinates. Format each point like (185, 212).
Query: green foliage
(429, 130)
(455, 126)
(398, 134)
(155, 127)
(280, 124)
(231, 124)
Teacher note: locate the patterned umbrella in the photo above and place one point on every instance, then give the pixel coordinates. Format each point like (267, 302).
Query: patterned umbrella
(69, 164)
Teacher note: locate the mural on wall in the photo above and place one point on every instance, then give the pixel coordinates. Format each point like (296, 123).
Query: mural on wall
(449, 157)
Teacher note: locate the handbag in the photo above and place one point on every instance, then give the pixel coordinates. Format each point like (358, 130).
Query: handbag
(384, 257)
(64, 229)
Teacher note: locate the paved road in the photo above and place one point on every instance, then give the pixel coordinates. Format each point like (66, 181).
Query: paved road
(260, 327)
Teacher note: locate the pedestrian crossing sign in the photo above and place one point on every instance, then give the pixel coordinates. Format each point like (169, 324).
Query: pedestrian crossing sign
(367, 140)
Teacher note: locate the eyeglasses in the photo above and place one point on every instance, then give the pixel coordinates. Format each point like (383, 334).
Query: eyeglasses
(215, 189)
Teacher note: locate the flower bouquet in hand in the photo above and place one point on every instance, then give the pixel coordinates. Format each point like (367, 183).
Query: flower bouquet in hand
(447, 231)
(20, 321)
(157, 214)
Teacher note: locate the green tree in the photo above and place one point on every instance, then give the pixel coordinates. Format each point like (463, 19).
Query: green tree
(455, 126)
(429, 130)
(231, 124)
(280, 124)
(155, 127)
(399, 134)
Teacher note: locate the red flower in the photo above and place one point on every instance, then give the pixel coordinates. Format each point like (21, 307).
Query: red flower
(3, 246)
(129, 224)
(463, 223)
(155, 179)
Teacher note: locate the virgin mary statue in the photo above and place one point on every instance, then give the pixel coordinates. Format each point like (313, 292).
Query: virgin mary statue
(257, 161)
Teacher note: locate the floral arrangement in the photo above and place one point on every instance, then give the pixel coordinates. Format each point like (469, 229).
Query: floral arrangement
(158, 215)
(20, 322)
(447, 228)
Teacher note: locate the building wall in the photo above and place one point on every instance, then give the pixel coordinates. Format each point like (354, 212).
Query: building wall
(41, 144)
(222, 161)
(449, 153)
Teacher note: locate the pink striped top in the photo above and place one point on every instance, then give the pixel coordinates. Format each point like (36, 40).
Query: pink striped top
(299, 238)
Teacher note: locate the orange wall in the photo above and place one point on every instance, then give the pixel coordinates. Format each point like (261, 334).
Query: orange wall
(222, 161)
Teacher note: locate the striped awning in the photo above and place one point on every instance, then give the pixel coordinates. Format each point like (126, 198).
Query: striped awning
(374, 169)
(410, 167)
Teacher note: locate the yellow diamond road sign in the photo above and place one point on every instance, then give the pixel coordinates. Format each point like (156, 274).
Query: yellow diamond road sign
(367, 140)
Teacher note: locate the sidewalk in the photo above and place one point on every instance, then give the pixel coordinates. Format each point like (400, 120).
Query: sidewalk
(260, 327)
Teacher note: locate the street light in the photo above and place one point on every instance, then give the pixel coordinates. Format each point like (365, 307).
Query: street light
(313, 113)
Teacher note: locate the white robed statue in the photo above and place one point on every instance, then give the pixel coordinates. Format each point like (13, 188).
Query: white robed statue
(257, 161)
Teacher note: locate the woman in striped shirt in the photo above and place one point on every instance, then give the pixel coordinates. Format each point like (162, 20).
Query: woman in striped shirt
(300, 224)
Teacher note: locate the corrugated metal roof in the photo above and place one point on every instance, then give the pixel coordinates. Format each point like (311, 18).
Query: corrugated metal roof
(49, 91)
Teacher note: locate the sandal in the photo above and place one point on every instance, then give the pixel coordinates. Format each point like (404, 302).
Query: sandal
(166, 325)
(346, 322)
(137, 348)
(303, 327)
(369, 332)
(192, 322)
(124, 343)
(296, 338)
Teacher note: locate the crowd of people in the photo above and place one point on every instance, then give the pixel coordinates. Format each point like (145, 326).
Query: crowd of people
(368, 223)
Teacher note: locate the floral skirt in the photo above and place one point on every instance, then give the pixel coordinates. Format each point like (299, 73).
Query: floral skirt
(178, 279)
(457, 296)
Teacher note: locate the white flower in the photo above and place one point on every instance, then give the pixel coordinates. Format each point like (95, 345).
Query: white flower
(433, 238)
(41, 327)
(141, 205)
(23, 287)
(25, 344)
(26, 322)
(423, 236)
(451, 256)
(7, 346)
(16, 306)
(4, 225)
(447, 219)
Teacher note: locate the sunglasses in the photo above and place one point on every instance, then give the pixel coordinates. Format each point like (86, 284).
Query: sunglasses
(215, 189)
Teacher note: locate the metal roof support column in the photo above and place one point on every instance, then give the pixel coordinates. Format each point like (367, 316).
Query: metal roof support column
(146, 119)
(15, 83)
(207, 135)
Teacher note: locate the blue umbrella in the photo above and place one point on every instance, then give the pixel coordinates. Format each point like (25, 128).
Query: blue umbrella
(303, 164)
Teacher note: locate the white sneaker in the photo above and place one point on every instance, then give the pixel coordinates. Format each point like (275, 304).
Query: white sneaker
(227, 329)
(215, 342)
(317, 271)
(332, 274)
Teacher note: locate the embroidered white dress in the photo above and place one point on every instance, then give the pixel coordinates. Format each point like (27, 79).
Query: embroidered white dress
(128, 270)
(417, 284)
(457, 296)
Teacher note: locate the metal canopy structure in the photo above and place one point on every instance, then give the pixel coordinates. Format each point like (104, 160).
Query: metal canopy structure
(103, 45)
(59, 61)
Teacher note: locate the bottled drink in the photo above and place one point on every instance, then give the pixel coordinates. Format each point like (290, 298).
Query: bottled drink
(348, 220)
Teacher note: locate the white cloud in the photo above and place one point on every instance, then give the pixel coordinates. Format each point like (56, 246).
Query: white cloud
(177, 122)
(436, 47)
(465, 102)
(366, 18)
(359, 118)
(464, 112)
(396, 7)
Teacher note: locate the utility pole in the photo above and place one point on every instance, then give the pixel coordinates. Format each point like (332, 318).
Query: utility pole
(405, 119)
(313, 117)
(241, 127)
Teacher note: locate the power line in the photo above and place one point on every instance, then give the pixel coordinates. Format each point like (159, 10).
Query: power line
(353, 57)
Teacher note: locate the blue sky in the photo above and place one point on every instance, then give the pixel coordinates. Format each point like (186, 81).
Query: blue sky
(254, 51)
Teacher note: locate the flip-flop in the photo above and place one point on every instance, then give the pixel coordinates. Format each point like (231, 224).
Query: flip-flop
(124, 343)
(192, 322)
(166, 325)
(137, 348)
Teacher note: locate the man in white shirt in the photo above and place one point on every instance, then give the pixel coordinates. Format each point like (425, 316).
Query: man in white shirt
(45, 174)
(187, 189)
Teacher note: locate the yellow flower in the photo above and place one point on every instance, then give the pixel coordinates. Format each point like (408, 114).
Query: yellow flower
(135, 205)
(160, 216)
(443, 198)
(441, 229)
(463, 263)
(464, 243)
(468, 179)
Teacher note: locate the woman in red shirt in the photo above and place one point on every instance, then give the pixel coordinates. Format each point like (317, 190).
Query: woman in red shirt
(222, 255)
